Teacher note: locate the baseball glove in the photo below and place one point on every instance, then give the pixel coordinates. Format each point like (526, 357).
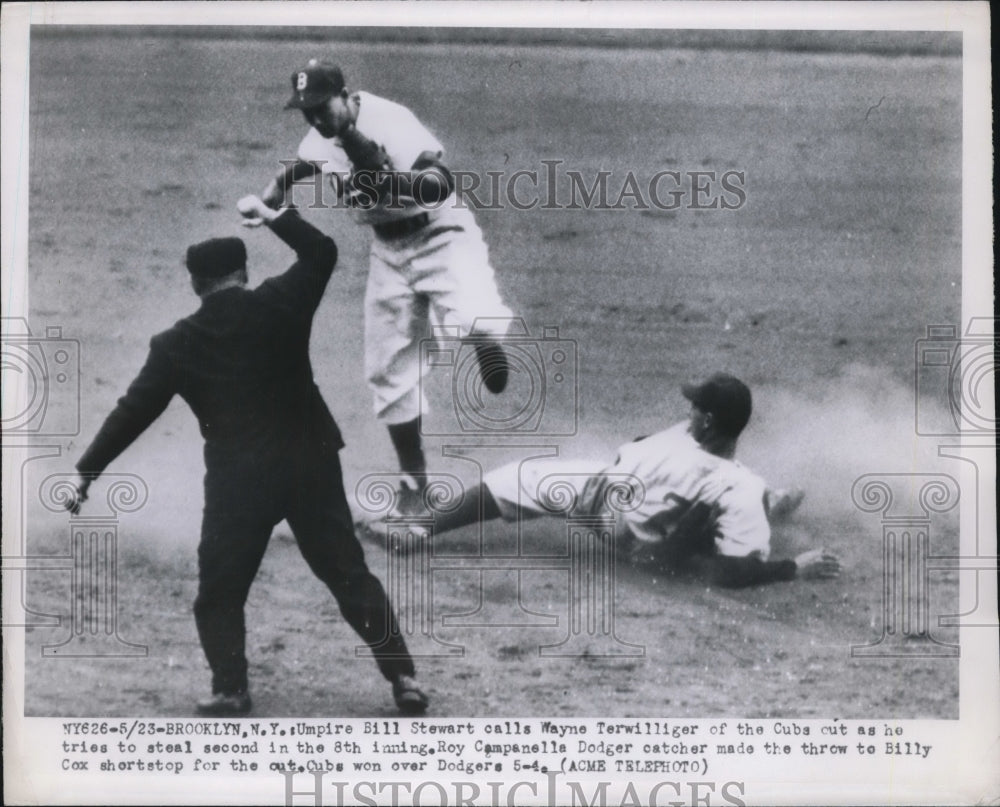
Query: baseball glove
(364, 154)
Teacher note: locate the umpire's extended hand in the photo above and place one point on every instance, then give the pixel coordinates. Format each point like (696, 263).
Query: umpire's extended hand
(77, 494)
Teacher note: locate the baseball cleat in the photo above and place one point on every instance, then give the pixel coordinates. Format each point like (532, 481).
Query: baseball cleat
(410, 699)
(395, 535)
(405, 526)
(783, 502)
(223, 705)
(409, 498)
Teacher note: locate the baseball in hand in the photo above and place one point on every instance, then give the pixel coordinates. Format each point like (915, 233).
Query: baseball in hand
(254, 211)
(250, 207)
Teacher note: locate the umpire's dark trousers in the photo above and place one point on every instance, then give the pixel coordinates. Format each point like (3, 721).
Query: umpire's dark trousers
(308, 491)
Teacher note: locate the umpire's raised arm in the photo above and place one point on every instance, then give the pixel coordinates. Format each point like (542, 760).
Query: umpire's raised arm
(303, 284)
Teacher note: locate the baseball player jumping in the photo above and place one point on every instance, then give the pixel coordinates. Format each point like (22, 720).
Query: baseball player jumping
(697, 506)
(428, 257)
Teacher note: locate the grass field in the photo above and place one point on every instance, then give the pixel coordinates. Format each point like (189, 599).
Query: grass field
(814, 291)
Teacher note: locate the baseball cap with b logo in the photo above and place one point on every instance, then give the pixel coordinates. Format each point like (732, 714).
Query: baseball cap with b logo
(315, 83)
(726, 398)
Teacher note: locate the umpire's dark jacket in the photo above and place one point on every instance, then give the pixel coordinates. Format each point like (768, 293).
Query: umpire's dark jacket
(242, 364)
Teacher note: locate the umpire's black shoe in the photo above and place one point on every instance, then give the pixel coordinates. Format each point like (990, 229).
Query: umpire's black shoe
(223, 705)
(410, 699)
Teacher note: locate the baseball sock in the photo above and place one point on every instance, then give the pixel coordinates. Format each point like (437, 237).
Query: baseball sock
(477, 505)
(406, 440)
(493, 366)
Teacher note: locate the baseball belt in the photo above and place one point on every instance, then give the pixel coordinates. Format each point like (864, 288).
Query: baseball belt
(401, 227)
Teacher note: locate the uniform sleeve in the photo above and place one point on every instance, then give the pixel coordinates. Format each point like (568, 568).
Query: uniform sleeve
(327, 154)
(143, 402)
(742, 527)
(300, 289)
(404, 151)
(752, 570)
(397, 130)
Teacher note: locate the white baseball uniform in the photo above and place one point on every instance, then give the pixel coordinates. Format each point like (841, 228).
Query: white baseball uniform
(439, 268)
(669, 472)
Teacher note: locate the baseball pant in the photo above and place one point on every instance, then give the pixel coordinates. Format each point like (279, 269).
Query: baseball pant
(234, 537)
(580, 488)
(542, 487)
(440, 275)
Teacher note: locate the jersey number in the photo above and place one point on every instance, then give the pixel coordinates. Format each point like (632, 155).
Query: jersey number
(302, 79)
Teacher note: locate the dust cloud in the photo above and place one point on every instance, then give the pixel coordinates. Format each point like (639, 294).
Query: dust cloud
(824, 436)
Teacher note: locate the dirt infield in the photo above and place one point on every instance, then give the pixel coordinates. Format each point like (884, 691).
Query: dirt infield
(814, 290)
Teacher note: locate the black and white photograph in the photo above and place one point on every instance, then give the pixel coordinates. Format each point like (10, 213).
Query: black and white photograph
(481, 403)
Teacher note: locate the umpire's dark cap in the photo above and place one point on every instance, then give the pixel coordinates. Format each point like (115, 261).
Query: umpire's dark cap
(726, 398)
(216, 257)
(315, 83)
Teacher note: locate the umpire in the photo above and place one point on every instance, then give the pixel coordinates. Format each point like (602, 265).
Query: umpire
(241, 362)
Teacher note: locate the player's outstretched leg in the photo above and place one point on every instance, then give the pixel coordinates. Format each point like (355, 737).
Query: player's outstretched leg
(478, 505)
(493, 366)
